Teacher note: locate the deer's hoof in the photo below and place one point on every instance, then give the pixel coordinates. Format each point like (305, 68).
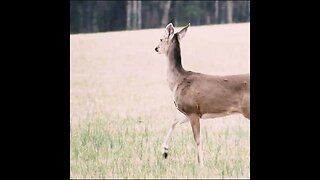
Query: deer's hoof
(165, 155)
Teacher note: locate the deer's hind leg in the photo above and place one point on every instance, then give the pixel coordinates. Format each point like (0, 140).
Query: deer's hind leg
(245, 107)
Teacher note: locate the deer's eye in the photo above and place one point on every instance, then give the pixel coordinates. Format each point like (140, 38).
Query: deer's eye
(161, 40)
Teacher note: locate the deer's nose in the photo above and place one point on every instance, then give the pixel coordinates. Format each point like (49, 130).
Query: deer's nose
(156, 49)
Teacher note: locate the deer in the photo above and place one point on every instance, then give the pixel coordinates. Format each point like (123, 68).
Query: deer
(200, 96)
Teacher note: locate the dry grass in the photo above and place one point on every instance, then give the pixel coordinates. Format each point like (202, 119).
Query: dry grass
(119, 94)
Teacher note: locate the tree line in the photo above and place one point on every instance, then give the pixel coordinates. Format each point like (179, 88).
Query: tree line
(100, 16)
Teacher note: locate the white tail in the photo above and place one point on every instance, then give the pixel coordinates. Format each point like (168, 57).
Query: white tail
(199, 95)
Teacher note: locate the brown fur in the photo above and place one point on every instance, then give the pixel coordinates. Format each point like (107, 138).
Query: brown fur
(201, 93)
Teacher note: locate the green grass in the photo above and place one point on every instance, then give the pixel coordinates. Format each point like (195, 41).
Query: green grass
(127, 148)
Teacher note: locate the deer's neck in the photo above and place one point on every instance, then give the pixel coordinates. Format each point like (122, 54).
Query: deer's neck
(175, 70)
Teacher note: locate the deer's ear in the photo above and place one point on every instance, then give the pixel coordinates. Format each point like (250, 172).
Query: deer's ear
(183, 31)
(169, 30)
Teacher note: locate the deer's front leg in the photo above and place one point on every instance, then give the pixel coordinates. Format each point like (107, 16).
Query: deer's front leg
(165, 147)
(195, 124)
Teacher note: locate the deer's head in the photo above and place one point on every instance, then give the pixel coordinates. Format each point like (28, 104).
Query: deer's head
(169, 38)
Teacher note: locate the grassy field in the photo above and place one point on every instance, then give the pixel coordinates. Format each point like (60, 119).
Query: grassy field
(122, 108)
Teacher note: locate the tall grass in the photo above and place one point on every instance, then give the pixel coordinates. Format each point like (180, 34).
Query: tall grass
(131, 148)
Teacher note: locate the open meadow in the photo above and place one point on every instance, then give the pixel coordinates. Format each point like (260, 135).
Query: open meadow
(122, 108)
